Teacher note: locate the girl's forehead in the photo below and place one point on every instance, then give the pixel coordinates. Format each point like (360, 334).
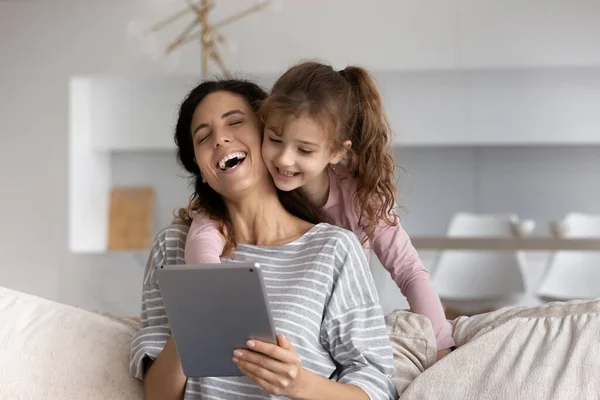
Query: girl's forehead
(280, 123)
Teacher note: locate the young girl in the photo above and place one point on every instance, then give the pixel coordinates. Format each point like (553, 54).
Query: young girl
(326, 135)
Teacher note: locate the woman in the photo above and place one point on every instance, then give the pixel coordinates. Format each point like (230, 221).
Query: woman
(322, 295)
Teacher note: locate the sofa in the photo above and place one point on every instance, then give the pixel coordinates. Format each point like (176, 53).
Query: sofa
(54, 351)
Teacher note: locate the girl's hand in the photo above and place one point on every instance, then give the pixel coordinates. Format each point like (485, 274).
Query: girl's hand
(277, 369)
(443, 353)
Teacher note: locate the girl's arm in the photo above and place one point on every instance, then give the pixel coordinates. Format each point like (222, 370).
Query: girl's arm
(204, 243)
(394, 249)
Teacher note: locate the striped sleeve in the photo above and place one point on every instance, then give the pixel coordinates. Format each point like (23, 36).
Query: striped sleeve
(354, 329)
(154, 330)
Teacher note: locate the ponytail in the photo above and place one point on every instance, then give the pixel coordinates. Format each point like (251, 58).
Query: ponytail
(370, 161)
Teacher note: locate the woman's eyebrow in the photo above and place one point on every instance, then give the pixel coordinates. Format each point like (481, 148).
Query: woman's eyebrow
(227, 114)
(232, 112)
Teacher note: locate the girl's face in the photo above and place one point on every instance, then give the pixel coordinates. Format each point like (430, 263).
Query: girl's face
(299, 154)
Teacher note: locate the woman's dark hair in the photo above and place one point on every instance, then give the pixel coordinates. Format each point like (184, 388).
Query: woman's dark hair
(204, 199)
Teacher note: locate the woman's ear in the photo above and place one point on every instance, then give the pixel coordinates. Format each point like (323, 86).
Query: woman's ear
(340, 154)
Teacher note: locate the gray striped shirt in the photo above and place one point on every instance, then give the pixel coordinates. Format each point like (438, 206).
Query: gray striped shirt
(322, 297)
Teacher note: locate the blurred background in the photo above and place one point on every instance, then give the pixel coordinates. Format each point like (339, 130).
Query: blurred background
(495, 107)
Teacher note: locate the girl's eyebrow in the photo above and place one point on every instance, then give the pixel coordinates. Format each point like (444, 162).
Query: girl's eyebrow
(308, 143)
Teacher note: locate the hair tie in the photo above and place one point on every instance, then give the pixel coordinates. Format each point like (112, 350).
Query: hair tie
(342, 72)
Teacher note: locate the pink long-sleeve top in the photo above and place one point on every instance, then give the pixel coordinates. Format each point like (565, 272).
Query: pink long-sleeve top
(391, 244)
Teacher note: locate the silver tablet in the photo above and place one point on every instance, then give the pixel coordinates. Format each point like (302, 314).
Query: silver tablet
(214, 309)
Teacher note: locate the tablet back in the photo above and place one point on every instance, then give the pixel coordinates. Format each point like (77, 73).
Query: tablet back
(212, 310)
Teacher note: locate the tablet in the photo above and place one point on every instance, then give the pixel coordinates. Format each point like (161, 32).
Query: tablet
(212, 310)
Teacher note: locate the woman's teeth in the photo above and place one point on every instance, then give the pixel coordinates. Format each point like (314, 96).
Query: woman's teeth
(238, 155)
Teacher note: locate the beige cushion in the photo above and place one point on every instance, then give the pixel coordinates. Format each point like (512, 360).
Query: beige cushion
(550, 351)
(53, 351)
(414, 346)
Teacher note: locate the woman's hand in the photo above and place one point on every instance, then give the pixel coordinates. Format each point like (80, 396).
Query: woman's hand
(277, 369)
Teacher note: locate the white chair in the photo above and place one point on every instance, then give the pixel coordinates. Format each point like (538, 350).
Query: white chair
(573, 274)
(480, 275)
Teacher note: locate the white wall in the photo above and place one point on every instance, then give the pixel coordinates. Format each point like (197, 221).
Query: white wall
(45, 42)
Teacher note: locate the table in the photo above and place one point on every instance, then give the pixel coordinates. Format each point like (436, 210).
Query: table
(505, 243)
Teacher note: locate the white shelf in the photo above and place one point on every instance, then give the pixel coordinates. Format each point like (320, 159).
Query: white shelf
(522, 107)
(425, 108)
(535, 107)
(510, 107)
(89, 175)
(133, 113)
(112, 114)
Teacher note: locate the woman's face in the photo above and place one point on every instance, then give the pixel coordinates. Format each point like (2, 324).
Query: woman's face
(227, 144)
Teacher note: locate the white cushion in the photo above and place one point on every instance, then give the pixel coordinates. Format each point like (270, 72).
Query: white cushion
(54, 351)
(535, 353)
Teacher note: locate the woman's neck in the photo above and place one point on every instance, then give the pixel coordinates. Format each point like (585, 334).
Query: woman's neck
(317, 190)
(261, 220)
